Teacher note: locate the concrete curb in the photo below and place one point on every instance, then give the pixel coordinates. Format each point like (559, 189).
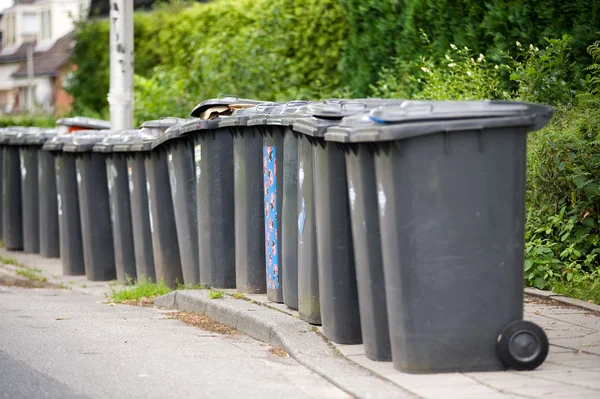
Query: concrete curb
(562, 299)
(296, 337)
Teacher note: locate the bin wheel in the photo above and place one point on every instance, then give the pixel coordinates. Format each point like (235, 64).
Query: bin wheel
(523, 345)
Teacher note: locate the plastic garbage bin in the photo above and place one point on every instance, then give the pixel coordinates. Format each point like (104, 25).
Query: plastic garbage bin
(69, 125)
(1, 184)
(67, 201)
(94, 205)
(213, 160)
(12, 211)
(249, 227)
(120, 204)
(273, 160)
(48, 231)
(281, 123)
(451, 195)
(178, 151)
(165, 245)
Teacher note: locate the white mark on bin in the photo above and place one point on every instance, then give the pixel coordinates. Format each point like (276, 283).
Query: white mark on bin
(78, 177)
(351, 194)
(130, 178)
(381, 199)
(59, 205)
(23, 168)
(236, 170)
(197, 159)
(172, 177)
(301, 221)
(170, 157)
(301, 173)
(150, 207)
(39, 171)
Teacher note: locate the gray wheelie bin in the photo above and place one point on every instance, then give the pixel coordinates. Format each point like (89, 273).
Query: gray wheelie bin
(451, 194)
(94, 205)
(67, 201)
(281, 123)
(120, 205)
(45, 192)
(12, 211)
(1, 180)
(273, 160)
(327, 279)
(249, 228)
(214, 176)
(72, 124)
(133, 147)
(178, 150)
(165, 245)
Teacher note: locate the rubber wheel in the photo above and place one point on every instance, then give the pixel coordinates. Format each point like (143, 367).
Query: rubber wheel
(522, 345)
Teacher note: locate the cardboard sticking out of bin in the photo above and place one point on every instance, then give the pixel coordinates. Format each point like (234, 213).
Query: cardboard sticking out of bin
(223, 100)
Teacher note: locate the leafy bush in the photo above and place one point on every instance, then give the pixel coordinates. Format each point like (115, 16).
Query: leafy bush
(28, 120)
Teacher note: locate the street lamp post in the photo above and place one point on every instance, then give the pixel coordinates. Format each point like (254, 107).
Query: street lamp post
(120, 96)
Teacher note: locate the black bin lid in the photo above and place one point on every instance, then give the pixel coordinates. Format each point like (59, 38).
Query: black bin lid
(84, 122)
(85, 141)
(114, 138)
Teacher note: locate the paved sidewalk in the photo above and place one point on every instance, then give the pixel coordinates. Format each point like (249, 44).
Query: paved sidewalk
(572, 369)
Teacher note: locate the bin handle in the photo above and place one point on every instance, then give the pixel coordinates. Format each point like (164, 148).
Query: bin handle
(223, 96)
(262, 107)
(296, 103)
(343, 104)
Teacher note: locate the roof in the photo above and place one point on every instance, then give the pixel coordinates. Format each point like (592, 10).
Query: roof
(50, 61)
(19, 55)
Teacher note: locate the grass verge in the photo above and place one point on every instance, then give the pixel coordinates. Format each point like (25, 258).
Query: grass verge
(582, 289)
(31, 274)
(138, 291)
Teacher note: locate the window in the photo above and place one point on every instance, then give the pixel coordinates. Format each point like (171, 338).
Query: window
(30, 23)
(46, 25)
(10, 37)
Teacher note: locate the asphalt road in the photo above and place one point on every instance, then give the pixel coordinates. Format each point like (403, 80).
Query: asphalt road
(66, 344)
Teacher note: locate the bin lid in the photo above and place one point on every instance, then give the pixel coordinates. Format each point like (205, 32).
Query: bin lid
(176, 131)
(81, 123)
(85, 141)
(9, 134)
(238, 118)
(38, 136)
(58, 142)
(109, 142)
(289, 113)
(141, 141)
(223, 99)
(264, 111)
(328, 113)
(163, 123)
(411, 120)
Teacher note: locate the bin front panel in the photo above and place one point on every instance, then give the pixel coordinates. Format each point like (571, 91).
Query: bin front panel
(1, 192)
(308, 263)
(120, 213)
(13, 206)
(213, 153)
(452, 221)
(337, 279)
(250, 274)
(69, 220)
(96, 226)
(289, 219)
(362, 193)
(30, 199)
(183, 191)
(140, 217)
(167, 261)
(49, 231)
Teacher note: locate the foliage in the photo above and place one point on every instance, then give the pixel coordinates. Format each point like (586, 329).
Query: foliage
(28, 120)
(143, 288)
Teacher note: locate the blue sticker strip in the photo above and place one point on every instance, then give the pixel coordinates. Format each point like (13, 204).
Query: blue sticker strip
(271, 236)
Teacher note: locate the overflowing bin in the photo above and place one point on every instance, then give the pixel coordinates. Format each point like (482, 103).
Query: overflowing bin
(94, 205)
(45, 191)
(451, 198)
(178, 150)
(214, 176)
(12, 210)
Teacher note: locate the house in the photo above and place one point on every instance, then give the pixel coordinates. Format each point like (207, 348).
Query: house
(36, 42)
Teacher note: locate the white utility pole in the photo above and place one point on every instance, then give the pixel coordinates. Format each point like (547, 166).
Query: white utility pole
(120, 96)
(30, 94)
